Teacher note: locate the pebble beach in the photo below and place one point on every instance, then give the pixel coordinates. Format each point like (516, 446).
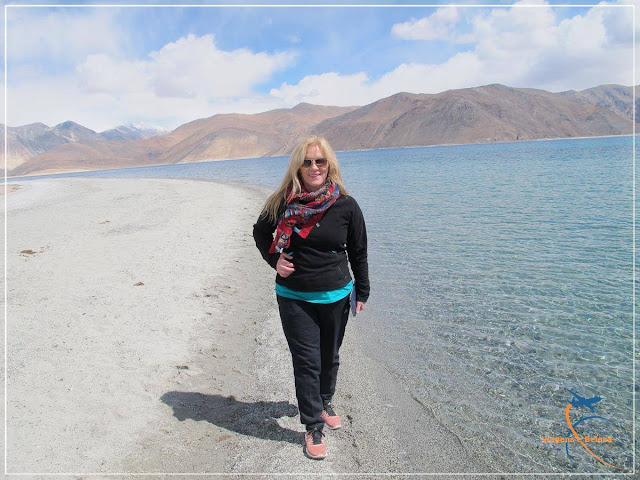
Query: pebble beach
(143, 337)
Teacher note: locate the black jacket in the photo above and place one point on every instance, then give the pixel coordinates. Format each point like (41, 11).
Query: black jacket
(320, 260)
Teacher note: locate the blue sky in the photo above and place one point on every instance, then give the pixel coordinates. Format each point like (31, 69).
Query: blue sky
(105, 66)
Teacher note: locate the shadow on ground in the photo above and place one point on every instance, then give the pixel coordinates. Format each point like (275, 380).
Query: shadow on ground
(257, 419)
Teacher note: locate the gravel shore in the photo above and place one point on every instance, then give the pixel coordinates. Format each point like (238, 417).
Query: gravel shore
(144, 336)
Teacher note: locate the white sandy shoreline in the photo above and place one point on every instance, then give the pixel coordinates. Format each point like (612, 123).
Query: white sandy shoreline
(188, 372)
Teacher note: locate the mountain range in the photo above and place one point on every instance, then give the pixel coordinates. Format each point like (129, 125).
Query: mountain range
(491, 113)
(29, 141)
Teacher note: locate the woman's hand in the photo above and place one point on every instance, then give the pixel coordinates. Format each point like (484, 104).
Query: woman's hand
(284, 267)
(359, 307)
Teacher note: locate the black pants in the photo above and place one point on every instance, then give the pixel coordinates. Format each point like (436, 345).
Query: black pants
(314, 333)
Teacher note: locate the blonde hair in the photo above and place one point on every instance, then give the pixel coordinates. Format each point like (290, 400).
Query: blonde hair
(291, 179)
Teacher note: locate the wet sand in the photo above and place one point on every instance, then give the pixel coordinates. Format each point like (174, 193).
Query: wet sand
(143, 336)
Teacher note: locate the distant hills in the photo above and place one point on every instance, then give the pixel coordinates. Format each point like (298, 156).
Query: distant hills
(30, 141)
(616, 98)
(133, 131)
(491, 113)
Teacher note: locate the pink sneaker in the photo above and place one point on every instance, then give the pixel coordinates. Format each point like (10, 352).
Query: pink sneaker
(331, 419)
(314, 446)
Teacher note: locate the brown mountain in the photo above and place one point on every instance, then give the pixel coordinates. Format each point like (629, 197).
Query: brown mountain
(616, 98)
(217, 137)
(29, 141)
(493, 113)
(237, 135)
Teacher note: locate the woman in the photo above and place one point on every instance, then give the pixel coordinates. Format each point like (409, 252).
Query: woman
(317, 227)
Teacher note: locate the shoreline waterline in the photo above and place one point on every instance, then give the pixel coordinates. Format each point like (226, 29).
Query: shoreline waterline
(65, 172)
(204, 372)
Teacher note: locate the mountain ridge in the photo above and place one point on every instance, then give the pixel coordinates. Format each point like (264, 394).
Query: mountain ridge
(489, 113)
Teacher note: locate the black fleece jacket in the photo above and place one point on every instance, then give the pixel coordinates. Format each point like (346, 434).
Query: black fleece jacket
(320, 260)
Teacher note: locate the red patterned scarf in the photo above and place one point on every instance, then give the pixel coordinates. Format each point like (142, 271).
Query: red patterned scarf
(301, 214)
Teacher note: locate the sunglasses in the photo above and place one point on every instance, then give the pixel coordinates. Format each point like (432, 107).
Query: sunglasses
(320, 162)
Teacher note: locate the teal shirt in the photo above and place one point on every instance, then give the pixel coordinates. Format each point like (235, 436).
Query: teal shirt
(331, 296)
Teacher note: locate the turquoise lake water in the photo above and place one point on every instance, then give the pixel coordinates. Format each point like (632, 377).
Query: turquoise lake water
(501, 276)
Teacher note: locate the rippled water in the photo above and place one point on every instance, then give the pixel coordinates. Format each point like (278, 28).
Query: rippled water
(501, 277)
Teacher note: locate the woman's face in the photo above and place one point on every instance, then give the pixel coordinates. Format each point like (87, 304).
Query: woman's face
(315, 175)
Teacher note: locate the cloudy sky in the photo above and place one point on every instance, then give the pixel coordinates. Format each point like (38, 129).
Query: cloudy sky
(104, 66)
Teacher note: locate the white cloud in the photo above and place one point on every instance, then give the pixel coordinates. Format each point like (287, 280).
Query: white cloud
(63, 36)
(194, 66)
(191, 67)
(583, 35)
(439, 24)
(61, 100)
(100, 73)
(520, 46)
(358, 89)
(515, 29)
(327, 89)
(184, 80)
(420, 78)
(619, 23)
